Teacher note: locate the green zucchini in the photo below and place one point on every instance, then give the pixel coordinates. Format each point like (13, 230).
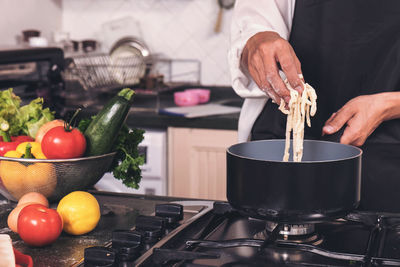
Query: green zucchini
(103, 129)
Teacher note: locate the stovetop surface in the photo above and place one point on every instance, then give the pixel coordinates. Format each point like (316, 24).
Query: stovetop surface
(360, 239)
(338, 237)
(208, 235)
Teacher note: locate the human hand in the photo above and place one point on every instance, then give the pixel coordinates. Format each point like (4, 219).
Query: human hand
(361, 115)
(263, 55)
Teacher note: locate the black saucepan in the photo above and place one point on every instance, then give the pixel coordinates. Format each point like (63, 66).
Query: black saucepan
(325, 184)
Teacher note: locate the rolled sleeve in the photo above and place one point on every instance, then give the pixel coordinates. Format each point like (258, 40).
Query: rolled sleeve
(249, 18)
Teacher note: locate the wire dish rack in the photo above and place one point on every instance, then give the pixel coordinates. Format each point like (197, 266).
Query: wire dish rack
(102, 71)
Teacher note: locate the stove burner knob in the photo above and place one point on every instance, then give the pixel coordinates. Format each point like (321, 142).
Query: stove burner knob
(151, 227)
(100, 257)
(172, 212)
(150, 222)
(150, 235)
(128, 244)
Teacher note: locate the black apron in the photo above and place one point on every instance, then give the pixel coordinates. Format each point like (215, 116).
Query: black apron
(349, 48)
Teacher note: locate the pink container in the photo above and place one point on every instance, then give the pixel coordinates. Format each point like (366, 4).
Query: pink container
(186, 98)
(204, 94)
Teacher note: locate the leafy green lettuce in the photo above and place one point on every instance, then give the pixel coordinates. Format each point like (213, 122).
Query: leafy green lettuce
(22, 120)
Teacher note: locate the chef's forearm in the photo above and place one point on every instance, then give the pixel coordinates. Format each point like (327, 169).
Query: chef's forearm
(391, 102)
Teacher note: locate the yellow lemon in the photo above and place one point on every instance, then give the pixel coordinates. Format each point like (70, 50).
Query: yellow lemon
(80, 212)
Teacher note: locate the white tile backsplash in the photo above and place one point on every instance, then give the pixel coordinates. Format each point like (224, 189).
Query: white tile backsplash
(180, 29)
(16, 16)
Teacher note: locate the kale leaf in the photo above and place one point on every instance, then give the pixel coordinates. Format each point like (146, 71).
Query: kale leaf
(127, 161)
(126, 165)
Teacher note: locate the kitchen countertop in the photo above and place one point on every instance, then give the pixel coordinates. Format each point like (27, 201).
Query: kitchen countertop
(118, 210)
(151, 120)
(144, 111)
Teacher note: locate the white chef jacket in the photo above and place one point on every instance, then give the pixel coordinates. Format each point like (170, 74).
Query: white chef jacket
(249, 18)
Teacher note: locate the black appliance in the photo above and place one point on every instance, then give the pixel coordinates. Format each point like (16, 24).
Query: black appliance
(206, 233)
(34, 72)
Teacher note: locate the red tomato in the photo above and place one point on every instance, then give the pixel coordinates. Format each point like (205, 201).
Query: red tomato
(58, 143)
(39, 225)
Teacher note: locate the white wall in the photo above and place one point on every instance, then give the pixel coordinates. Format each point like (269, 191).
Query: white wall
(18, 15)
(180, 29)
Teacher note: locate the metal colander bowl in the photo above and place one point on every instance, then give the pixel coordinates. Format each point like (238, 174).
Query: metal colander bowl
(53, 178)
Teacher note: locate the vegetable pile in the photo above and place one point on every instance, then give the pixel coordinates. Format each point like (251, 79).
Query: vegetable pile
(104, 133)
(31, 131)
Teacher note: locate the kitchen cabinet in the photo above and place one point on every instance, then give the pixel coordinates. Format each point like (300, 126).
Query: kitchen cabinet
(197, 162)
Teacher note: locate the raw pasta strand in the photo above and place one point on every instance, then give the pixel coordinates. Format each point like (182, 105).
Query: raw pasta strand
(301, 107)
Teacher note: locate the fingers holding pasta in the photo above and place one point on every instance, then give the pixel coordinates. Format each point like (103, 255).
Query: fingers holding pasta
(264, 55)
(291, 66)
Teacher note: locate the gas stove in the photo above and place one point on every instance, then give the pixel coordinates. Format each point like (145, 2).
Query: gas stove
(206, 233)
